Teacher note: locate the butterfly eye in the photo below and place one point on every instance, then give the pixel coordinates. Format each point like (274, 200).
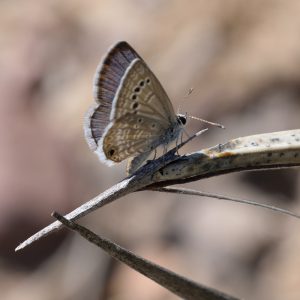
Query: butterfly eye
(137, 89)
(148, 80)
(142, 83)
(181, 120)
(134, 96)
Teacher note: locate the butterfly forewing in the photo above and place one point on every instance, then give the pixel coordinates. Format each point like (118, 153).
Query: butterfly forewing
(141, 93)
(107, 80)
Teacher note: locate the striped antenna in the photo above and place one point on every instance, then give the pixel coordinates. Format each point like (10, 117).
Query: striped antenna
(207, 122)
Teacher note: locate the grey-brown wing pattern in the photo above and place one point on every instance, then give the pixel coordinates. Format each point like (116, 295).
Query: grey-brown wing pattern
(133, 114)
(131, 136)
(141, 93)
(107, 80)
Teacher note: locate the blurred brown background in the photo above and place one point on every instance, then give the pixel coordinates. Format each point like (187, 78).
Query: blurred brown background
(243, 60)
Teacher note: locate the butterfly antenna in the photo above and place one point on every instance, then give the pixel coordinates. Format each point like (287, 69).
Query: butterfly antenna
(179, 109)
(207, 122)
(185, 131)
(191, 89)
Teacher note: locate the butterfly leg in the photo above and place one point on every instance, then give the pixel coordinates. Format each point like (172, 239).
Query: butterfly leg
(155, 152)
(165, 149)
(181, 141)
(186, 133)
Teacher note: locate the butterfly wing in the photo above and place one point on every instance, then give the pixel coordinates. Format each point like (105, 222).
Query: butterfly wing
(107, 79)
(141, 93)
(138, 115)
(131, 136)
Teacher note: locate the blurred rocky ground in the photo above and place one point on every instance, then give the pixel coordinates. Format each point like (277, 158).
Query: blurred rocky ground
(242, 59)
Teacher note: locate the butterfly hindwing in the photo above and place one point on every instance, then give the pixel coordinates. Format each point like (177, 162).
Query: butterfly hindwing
(131, 136)
(107, 79)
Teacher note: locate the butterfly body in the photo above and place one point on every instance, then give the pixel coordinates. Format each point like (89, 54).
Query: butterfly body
(133, 114)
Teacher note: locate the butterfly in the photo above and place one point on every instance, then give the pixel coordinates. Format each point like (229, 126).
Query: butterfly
(132, 114)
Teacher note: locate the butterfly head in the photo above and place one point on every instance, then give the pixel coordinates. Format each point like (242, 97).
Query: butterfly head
(181, 119)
